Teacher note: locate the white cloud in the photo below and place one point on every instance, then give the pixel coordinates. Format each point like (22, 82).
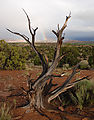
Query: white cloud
(45, 14)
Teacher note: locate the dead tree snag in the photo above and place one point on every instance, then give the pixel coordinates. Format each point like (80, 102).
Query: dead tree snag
(39, 92)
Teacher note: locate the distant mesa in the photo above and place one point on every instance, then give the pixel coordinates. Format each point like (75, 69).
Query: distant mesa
(53, 41)
(78, 42)
(37, 41)
(14, 41)
(72, 41)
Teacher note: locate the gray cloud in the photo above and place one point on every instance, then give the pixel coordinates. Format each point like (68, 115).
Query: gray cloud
(46, 15)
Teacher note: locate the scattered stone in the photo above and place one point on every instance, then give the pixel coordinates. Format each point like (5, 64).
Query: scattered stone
(61, 108)
(28, 111)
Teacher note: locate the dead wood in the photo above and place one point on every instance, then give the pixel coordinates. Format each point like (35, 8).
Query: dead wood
(39, 93)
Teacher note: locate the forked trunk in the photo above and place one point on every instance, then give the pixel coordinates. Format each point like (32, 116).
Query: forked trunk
(40, 94)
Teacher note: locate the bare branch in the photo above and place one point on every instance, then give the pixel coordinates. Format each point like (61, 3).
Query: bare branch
(58, 27)
(62, 89)
(70, 77)
(34, 30)
(55, 33)
(46, 58)
(29, 24)
(33, 36)
(56, 56)
(65, 24)
(59, 43)
(25, 38)
(44, 64)
(16, 33)
(58, 91)
(48, 87)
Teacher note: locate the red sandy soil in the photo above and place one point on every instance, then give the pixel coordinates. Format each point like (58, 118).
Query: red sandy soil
(12, 81)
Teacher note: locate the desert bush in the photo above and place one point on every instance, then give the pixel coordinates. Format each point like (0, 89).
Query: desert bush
(5, 112)
(91, 59)
(2, 59)
(71, 57)
(82, 94)
(12, 57)
(84, 65)
(3, 46)
(16, 59)
(84, 91)
(65, 66)
(37, 61)
(86, 51)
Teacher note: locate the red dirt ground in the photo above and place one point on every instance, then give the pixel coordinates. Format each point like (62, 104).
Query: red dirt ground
(12, 81)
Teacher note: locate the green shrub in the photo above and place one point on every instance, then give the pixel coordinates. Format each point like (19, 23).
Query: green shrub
(37, 61)
(15, 57)
(71, 57)
(91, 58)
(91, 61)
(84, 65)
(86, 51)
(82, 94)
(12, 57)
(2, 59)
(3, 46)
(65, 66)
(5, 112)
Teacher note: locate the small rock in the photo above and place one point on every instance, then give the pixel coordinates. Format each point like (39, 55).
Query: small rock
(28, 111)
(61, 108)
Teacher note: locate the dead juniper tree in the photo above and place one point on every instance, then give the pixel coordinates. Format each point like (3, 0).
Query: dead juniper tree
(40, 94)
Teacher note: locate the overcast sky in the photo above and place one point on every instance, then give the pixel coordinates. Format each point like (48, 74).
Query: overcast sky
(46, 14)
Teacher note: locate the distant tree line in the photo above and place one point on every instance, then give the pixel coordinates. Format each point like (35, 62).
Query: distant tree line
(14, 57)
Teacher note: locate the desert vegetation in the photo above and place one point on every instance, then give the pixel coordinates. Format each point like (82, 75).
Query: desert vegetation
(15, 57)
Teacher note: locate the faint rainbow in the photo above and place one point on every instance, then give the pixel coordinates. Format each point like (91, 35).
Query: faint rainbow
(44, 37)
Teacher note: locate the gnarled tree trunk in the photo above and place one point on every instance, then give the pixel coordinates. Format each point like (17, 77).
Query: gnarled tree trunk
(39, 92)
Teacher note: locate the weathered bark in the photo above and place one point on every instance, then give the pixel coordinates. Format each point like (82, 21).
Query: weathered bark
(39, 92)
